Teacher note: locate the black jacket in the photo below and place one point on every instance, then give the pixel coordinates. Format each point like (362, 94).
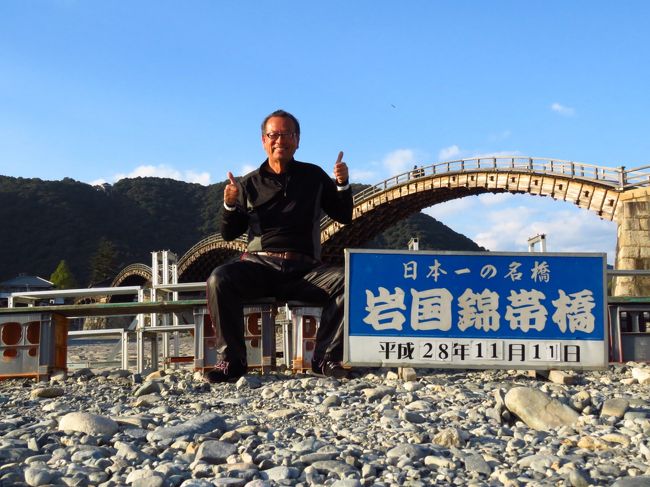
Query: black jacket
(282, 212)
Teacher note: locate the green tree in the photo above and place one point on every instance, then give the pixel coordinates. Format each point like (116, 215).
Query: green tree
(103, 263)
(62, 277)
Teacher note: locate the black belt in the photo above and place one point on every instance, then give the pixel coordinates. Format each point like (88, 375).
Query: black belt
(287, 255)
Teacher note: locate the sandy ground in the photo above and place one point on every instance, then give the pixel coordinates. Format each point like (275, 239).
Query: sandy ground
(105, 353)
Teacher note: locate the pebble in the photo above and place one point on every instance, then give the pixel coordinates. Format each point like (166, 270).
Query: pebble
(381, 428)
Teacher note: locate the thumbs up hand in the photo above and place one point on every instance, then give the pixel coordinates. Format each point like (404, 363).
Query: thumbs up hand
(231, 191)
(341, 170)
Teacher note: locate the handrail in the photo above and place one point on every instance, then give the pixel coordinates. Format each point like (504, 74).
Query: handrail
(638, 177)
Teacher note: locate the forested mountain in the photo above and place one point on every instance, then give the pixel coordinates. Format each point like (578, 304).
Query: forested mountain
(44, 222)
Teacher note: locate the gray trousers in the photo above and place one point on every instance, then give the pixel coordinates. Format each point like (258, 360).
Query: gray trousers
(255, 276)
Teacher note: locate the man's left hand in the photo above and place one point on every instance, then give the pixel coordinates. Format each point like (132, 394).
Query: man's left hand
(341, 171)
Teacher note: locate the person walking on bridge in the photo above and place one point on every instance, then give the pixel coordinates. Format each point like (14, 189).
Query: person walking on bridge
(279, 205)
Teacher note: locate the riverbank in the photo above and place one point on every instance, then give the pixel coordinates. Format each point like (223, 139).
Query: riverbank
(445, 427)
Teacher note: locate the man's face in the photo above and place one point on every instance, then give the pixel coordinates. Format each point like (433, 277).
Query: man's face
(284, 146)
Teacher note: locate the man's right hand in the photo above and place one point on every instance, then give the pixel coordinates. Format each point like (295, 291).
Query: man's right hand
(231, 191)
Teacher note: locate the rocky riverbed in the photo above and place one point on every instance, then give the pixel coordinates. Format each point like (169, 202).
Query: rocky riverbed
(378, 428)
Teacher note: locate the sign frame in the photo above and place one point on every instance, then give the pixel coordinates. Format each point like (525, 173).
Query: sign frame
(596, 348)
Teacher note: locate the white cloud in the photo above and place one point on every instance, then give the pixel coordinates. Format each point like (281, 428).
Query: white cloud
(571, 230)
(202, 178)
(165, 171)
(492, 199)
(451, 209)
(563, 110)
(505, 222)
(448, 153)
(246, 168)
(399, 161)
(363, 176)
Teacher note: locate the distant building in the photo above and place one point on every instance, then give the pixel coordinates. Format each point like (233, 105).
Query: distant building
(22, 283)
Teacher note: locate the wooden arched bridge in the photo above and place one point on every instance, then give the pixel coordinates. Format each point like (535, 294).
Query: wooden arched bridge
(598, 189)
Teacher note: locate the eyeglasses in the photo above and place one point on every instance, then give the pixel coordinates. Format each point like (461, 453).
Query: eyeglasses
(276, 135)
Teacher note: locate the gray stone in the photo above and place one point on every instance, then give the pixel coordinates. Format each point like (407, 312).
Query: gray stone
(206, 423)
(317, 457)
(248, 382)
(280, 473)
(259, 483)
(197, 483)
(407, 450)
(476, 463)
(378, 393)
(35, 476)
(448, 437)
(282, 413)
(91, 424)
(413, 417)
(407, 374)
(641, 374)
(346, 483)
(47, 392)
(215, 452)
(127, 452)
(340, 468)
(229, 482)
(144, 475)
(438, 461)
(580, 400)
(149, 387)
(537, 410)
(615, 407)
(147, 401)
(641, 481)
(576, 479)
(332, 401)
(153, 481)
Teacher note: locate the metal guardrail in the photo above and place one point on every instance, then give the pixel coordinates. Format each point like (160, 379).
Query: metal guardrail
(31, 297)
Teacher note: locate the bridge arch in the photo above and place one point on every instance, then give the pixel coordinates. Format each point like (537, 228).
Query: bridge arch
(378, 207)
(133, 275)
(199, 261)
(594, 188)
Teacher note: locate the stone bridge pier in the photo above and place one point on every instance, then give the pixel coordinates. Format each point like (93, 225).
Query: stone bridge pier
(633, 246)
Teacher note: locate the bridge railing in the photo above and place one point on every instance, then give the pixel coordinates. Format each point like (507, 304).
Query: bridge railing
(637, 177)
(617, 178)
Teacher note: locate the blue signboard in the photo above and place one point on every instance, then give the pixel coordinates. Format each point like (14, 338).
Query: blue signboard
(480, 309)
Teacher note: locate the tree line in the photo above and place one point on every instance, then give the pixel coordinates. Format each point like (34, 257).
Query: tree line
(82, 235)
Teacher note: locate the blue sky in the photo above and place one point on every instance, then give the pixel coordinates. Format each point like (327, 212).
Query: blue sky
(99, 90)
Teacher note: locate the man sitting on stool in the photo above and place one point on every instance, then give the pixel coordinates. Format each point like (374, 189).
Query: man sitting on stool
(280, 205)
